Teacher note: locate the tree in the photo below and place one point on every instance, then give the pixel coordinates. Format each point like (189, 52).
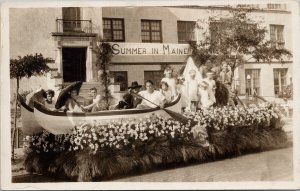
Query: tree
(235, 38)
(27, 66)
(104, 54)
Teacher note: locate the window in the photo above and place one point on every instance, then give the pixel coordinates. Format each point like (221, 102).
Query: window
(280, 80)
(120, 78)
(252, 81)
(248, 6)
(276, 6)
(276, 35)
(71, 19)
(154, 76)
(185, 31)
(113, 29)
(151, 31)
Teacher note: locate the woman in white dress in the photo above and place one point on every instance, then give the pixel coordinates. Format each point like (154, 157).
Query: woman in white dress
(192, 91)
(170, 80)
(208, 94)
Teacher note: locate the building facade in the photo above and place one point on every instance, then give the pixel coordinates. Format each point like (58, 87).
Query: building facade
(144, 39)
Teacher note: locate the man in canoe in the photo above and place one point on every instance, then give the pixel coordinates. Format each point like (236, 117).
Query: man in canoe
(94, 106)
(151, 98)
(128, 100)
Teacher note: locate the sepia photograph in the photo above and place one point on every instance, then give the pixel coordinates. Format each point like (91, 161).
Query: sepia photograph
(162, 94)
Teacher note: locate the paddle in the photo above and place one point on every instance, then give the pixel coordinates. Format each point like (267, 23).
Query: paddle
(240, 101)
(173, 114)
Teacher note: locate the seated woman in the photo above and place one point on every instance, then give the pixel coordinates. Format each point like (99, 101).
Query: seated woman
(72, 104)
(48, 101)
(166, 91)
(95, 105)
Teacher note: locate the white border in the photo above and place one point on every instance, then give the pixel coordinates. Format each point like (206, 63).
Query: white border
(5, 106)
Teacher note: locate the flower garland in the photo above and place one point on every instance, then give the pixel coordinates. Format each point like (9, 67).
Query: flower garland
(127, 134)
(145, 143)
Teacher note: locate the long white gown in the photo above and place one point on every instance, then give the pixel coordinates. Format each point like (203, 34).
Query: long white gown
(208, 94)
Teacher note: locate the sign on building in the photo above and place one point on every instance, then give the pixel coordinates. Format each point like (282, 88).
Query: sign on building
(150, 49)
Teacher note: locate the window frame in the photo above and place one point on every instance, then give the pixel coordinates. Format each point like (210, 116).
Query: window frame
(156, 83)
(276, 42)
(150, 31)
(185, 31)
(112, 29)
(115, 81)
(280, 86)
(255, 82)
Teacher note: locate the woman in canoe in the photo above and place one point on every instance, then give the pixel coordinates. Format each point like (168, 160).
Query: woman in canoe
(72, 103)
(48, 102)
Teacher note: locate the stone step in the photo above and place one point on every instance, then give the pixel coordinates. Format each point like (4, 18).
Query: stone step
(86, 86)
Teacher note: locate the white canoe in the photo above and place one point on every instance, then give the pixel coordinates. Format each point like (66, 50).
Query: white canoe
(29, 125)
(64, 122)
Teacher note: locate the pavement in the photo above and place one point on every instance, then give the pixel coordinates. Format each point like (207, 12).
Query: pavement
(276, 165)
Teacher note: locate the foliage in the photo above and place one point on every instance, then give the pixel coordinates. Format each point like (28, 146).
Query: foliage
(236, 38)
(93, 151)
(104, 54)
(29, 65)
(26, 66)
(288, 92)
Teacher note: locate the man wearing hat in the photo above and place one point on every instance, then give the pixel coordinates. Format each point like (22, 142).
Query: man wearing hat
(129, 101)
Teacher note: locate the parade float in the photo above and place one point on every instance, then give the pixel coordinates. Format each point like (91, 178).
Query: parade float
(93, 151)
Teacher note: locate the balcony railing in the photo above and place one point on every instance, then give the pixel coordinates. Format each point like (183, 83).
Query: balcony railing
(83, 26)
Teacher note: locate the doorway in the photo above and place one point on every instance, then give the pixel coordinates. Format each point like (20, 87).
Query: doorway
(74, 64)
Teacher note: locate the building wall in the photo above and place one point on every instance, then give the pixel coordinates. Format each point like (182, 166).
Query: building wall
(170, 16)
(30, 32)
(132, 21)
(136, 72)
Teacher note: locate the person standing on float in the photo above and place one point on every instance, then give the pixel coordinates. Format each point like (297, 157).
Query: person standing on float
(170, 80)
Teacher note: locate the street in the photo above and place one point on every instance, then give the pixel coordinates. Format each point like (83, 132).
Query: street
(273, 165)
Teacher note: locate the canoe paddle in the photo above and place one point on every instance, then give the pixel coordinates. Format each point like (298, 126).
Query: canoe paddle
(173, 114)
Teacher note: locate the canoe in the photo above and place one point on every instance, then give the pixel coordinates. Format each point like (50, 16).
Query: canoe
(64, 122)
(29, 125)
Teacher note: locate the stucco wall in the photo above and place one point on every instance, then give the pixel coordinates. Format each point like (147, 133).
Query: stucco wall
(266, 76)
(30, 33)
(132, 21)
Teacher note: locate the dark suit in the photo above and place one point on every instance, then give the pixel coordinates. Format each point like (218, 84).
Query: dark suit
(128, 102)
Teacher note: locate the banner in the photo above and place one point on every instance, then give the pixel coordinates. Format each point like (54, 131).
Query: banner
(133, 49)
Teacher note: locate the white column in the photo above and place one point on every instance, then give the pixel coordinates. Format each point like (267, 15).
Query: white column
(58, 56)
(89, 64)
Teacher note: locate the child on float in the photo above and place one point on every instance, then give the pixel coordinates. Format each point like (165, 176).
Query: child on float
(170, 80)
(166, 91)
(181, 88)
(192, 91)
(207, 89)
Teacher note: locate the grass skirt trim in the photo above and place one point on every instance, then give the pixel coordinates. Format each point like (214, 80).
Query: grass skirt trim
(83, 166)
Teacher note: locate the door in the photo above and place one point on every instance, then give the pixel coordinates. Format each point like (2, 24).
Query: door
(74, 64)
